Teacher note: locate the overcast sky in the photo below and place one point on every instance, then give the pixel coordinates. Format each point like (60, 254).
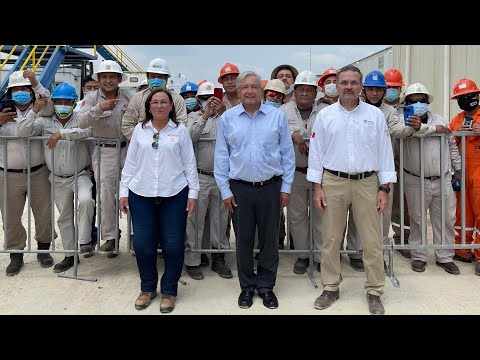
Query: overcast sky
(199, 62)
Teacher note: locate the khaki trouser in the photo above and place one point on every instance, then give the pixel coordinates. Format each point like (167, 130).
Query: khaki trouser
(108, 179)
(433, 200)
(362, 195)
(209, 198)
(64, 200)
(353, 239)
(17, 187)
(298, 218)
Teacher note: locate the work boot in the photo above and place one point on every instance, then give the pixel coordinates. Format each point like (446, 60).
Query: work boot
(46, 260)
(375, 305)
(300, 266)
(204, 260)
(87, 250)
(194, 272)
(357, 264)
(66, 264)
(108, 248)
(326, 299)
(16, 263)
(219, 266)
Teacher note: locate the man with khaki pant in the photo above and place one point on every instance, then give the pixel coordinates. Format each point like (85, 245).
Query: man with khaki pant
(350, 162)
(103, 110)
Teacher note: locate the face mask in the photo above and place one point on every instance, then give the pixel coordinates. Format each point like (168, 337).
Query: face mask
(331, 90)
(289, 91)
(85, 93)
(204, 105)
(420, 109)
(21, 97)
(272, 103)
(467, 104)
(392, 94)
(155, 83)
(190, 103)
(63, 111)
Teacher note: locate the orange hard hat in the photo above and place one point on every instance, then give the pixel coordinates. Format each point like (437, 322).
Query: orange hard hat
(201, 82)
(226, 69)
(264, 83)
(393, 77)
(464, 86)
(329, 72)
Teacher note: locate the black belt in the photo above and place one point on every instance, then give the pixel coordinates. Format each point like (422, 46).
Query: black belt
(24, 171)
(425, 177)
(301, 169)
(205, 172)
(69, 176)
(359, 176)
(104, 144)
(259, 183)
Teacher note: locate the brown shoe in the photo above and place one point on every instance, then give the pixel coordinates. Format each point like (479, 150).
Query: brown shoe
(326, 299)
(167, 303)
(144, 299)
(375, 305)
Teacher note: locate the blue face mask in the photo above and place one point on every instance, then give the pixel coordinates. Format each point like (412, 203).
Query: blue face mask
(420, 109)
(63, 111)
(289, 90)
(272, 103)
(392, 94)
(155, 83)
(21, 97)
(190, 103)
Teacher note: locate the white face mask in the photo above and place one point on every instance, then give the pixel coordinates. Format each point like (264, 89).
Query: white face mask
(331, 90)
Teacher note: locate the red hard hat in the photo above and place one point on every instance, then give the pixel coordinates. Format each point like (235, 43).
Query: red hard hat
(393, 77)
(464, 86)
(264, 83)
(329, 72)
(226, 69)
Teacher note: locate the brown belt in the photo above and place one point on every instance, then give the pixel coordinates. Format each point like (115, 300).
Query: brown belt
(301, 169)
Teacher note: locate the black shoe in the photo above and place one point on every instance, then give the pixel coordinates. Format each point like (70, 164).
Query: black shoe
(326, 299)
(245, 300)
(108, 248)
(194, 272)
(300, 266)
(204, 260)
(45, 259)
(269, 299)
(357, 264)
(405, 253)
(375, 305)
(281, 246)
(66, 264)
(462, 259)
(418, 265)
(219, 266)
(449, 267)
(477, 269)
(87, 250)
(16, 263)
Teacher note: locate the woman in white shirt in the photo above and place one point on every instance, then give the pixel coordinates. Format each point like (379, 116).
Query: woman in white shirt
(160, 185)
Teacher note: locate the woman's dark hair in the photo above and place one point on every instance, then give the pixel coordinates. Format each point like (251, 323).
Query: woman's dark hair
(148, 115)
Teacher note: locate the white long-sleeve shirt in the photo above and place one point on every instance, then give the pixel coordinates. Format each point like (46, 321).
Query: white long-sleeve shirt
(165, 171)
(352, 142)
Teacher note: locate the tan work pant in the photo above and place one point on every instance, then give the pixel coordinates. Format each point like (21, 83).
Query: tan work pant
(107, 180)
(40, 202)
(362, 195)
(64, 200)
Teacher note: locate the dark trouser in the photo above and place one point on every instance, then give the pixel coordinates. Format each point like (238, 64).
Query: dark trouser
(165, 219)
(257, 207)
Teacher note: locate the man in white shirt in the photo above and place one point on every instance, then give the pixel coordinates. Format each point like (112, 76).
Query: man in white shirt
(350, 162)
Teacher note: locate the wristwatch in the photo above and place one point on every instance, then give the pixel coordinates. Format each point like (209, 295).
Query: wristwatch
(384, 189)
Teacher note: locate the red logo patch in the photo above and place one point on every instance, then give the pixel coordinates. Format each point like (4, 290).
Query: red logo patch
(313, 135)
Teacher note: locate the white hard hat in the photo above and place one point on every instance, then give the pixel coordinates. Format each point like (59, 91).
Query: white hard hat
(306, 77)
(417, 88)
(158, 66)
(206, 89)
(111, 67)
(276, 85)
(17, 79)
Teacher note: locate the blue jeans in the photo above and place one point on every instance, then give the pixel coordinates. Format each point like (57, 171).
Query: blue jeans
(164, 218)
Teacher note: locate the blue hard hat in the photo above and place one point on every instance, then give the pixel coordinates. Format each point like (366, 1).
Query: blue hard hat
(375, 78)
(64, 91)
(189, 87)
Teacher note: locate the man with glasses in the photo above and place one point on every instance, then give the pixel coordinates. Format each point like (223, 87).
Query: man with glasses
(203, 124)
(466, 93)
(254, 164)
(301, 114)
(350, 162)
(418, 96)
